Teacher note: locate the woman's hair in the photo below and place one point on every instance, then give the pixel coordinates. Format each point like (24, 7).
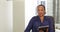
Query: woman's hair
(41, 5)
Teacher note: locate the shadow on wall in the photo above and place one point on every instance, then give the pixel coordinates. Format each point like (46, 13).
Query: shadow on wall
(18, 16)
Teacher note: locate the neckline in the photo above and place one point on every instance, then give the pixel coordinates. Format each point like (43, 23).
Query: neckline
(40, 20)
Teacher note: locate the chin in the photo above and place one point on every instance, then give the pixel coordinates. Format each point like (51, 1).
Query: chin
(41, 15)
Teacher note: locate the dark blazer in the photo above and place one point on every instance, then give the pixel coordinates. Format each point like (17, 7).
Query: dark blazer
(35, 22)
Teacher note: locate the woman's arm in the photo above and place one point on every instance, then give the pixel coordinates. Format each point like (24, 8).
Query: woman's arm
(29, 27)
(52, 26)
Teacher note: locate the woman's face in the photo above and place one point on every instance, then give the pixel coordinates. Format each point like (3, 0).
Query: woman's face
(41, 11)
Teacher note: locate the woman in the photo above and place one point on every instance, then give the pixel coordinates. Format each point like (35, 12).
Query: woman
(40, 21)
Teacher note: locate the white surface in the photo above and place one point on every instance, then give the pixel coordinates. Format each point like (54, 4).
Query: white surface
(57, 30)
(57, 26)
(10, 15)
(5, 16)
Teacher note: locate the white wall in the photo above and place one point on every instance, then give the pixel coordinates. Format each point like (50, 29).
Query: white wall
(30, 10)
(5, 16)
(10, 15)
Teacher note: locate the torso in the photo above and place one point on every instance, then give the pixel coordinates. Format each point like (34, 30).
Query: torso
(37, 23)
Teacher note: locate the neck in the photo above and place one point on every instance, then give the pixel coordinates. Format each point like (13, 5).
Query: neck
(42, 18)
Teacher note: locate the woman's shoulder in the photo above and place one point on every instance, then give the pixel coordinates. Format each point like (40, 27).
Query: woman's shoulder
(34, 17)
(49, 17)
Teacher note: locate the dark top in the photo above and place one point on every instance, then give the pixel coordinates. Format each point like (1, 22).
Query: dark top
(35, 22)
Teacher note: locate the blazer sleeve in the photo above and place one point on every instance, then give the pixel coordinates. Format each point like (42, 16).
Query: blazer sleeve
(52, 26)
(29, 27)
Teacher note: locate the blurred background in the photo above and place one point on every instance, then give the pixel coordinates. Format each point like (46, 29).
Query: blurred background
(12, 16)
(15, 14)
